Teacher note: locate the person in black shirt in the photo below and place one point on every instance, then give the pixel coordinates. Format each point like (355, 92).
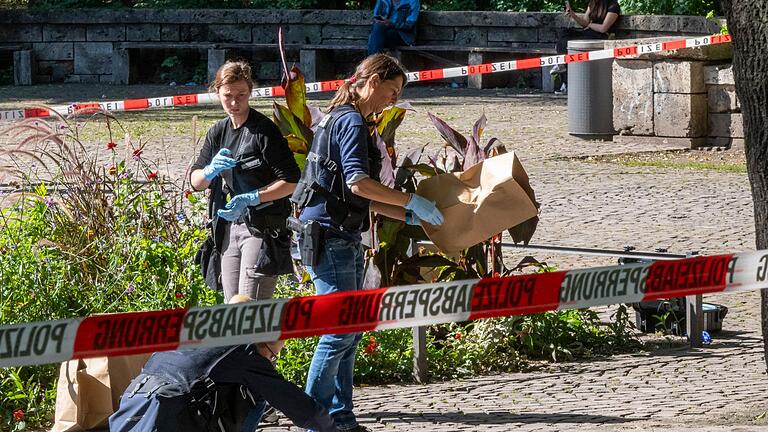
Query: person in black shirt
(597, 21)
(220, 388)
(246, 158)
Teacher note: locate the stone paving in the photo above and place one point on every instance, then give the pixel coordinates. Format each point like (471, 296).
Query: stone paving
(721, 387)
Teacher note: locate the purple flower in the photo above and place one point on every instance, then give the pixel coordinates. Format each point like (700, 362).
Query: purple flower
(49, 202)
(156, 239)
(131, 288)
(180, 217)
(124, 175)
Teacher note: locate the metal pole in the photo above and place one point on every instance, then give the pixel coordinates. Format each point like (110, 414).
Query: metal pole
(420, 365)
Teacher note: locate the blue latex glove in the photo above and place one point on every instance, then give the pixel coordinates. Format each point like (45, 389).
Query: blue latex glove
(237, 205)
(411, 218)
(221, 162)
(425, 210)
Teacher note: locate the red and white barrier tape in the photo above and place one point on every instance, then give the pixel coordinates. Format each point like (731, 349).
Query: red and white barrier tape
(324, 86)
(383, 308)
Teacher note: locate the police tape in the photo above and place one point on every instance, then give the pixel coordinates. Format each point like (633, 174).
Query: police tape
(377, 309)
(324, 86)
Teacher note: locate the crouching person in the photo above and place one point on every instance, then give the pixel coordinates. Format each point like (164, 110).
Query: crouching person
(213, 389)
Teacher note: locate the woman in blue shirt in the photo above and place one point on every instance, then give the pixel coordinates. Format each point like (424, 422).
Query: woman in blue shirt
(394, 24)
(337, 191)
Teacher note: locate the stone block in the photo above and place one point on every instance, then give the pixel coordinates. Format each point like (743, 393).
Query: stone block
(229, 33)
(501, 34)
(721, 51)
(23, 67)
(121, 66)
(548, 34)
(143, 32)
(346, 32)
(726, 125)
(113, 32)
(59, 71)
(478, 18)
(722, 99)
(325, 16)
(719, 74)
(54, 51)
(216, 58)
(426, 34)
(169, 32)
(93, 58)
(477, 36)
(21, 33)
(62, 33)
(680, 115)
(301, 34)
(676, 76)
(697, 25)
(633, 97)
(193, 33)
(264, 33)
(659, 23)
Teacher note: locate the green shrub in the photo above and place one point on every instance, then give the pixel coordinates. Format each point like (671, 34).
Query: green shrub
(80, 238)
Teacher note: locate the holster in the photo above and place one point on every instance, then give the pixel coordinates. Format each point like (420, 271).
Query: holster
(311, 235)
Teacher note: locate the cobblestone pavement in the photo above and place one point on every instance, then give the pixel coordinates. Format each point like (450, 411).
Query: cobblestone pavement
(721, 387)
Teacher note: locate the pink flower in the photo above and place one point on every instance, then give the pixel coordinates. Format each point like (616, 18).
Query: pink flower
(18, 414)
(179, 295)
(152, 176)
(457, 336)
(137, 154)
(111, 145)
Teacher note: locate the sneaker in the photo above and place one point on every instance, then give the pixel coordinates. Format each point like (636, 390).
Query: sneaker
(270, 415)
(563, 90)
(558, 68)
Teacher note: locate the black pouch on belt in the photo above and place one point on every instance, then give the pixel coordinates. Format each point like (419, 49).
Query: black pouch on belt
(311, 235)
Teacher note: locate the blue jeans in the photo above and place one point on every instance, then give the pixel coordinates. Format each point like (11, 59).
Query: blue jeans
(382, 37)
(329, 381)
(254, 417)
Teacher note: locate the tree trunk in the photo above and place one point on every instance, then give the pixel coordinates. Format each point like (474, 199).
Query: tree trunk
(747, 25)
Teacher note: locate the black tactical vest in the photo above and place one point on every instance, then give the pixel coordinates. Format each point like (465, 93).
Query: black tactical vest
(323, 181)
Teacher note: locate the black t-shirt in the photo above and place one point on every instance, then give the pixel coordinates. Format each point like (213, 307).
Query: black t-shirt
(262, 153)
(611, 6)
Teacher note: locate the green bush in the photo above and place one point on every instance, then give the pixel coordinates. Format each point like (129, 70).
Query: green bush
(80, 238)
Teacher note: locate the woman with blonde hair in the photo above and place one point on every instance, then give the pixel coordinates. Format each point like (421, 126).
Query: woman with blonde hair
(250, 170)
(337, 191)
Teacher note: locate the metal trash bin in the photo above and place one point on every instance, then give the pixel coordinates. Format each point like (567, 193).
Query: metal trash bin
(590, 94)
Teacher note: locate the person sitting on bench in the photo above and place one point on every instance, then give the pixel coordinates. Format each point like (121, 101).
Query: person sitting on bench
(394, 24)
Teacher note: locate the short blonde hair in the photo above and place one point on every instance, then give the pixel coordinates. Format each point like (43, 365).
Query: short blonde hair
(232, 71)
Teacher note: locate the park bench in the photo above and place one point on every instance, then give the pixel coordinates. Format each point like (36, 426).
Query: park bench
(121, 56)
(22, 63)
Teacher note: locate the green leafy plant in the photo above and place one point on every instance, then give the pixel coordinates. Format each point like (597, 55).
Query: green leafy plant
(87, 231)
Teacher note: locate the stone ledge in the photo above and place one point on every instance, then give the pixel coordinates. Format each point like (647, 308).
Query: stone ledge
(664, 142)
(703, 53)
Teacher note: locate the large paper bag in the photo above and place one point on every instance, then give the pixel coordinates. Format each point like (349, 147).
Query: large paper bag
(89, 390)
(488, 198)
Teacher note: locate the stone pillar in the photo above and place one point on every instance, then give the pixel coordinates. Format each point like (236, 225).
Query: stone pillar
(22, 67)
(121, 66)
(216, 58)
(475, 81)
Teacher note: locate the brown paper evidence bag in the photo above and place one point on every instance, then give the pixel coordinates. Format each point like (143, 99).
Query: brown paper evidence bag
(488, 198)
(89, 390)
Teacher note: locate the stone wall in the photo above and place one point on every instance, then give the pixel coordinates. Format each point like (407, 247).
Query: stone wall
(77, 45)
(687, 96)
